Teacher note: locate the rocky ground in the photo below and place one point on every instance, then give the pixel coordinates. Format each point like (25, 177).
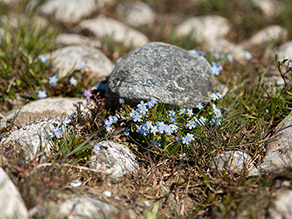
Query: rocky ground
(145, 109)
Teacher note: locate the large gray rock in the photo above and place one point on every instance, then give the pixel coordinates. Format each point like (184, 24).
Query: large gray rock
(71, 11)
(113, 159)
(48, 107)
(11, 203)
(279, 148)
(284, 51)
(204, 28)
(67, 39)
(234, 161)
(274, 33)
(165, 72)
(281, 208)
(136, 13)
(78, 207)
(106, 27)
(33, 138)
(96, 64)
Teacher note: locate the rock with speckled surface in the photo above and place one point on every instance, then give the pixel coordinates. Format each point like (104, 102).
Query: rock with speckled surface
(162, 71)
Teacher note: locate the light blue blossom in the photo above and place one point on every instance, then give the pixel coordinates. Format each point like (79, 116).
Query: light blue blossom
(168, 130)
(216, 55)
(108, 128)
(57, 132)
(201, 53)
(202, 120)
(139, 129)
(43, 58)
(181, 156)
(173, 127)
(213, 121)
(151, 103)
(148, 125)
(137, 117)
(193, 51)
(190, 112)
(145, 130)
(156, 143)
(111, 119)
(171, 113)
(218, 121)
(214, 106)
(97, 147)
(216, 68)
(87, 94)
(42, 94)
(121, 101)
(143, 110)
(141, 104)
(133, 113)
(154, 129)
(230, 58)
(219, 96)
(191, 124)
(190, 137)
(107, 123)
(118, 60)
(217, 112)
(53, 80)
(182, 111)
(127, 131)
(160, 127)
(247, 55)
(200, 106)
(115, 118)
(185, 140)
(214, 96)
(65, 120)
(173, 119)
(73, 81)
(81, 64)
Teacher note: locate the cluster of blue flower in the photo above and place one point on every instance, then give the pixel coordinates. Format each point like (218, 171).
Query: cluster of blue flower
(52, 80)
(64, 123)
(154, 129)
(109, 122)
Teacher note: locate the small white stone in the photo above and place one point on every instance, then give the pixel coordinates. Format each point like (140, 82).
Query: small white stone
(49, 107)
(234, 161)
(119, 32)
(97, 65)
(136, 13)
(281, 207)
(69, 11)
(146, 203)
(11, 203)
(274, 33)
(284, 51)
(84, 207)
(115, 161)
(34, 137)
(107, 194)
(204, 28)
(76, 183)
